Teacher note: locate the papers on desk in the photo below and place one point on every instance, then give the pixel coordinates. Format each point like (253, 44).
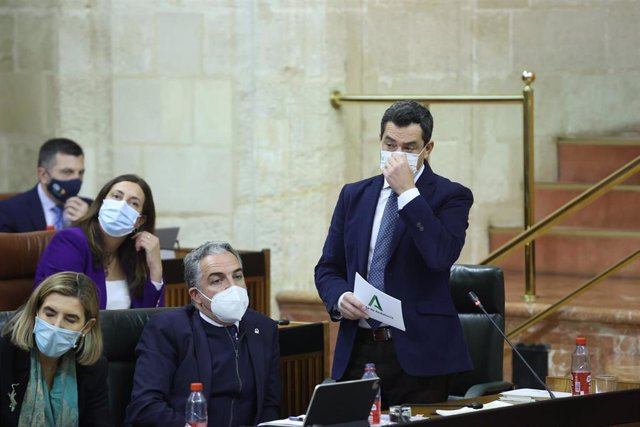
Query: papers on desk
(299, 421)
(526, 395)
(291, 421)
(465, 410)
(380, 306)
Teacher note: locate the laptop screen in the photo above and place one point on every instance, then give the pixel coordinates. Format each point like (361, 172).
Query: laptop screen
(168, 237)
(346, 403)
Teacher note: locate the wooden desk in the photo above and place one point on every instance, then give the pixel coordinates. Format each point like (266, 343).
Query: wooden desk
(619, 407)
(304, 363)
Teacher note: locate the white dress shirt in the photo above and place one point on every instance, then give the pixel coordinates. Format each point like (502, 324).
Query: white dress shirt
(403, 200)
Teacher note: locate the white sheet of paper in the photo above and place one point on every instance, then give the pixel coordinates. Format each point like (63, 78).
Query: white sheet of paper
(464, 410)
(380, 306)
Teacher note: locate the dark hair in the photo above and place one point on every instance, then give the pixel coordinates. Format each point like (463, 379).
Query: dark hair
(48, 151)
(403, 113)
(134, 263)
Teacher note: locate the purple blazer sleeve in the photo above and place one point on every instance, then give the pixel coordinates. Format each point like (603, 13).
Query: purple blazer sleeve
(69, 251)
(151, 297)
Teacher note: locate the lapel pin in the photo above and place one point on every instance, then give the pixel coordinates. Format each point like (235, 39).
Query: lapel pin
(12, 397)
(256, 331)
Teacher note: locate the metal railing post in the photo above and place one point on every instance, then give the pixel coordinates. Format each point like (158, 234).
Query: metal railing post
(529, 183)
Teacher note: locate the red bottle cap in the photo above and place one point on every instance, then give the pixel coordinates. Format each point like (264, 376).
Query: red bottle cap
(196, 386)
(581, 341)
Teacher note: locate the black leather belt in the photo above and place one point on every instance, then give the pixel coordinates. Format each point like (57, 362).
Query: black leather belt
(374, 335)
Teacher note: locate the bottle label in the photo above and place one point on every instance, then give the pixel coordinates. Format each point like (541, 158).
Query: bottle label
(580, 383)
(374, 416)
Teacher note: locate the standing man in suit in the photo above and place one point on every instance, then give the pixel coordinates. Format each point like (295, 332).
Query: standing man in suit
(233, 351)
(53, 203)
(402, 231)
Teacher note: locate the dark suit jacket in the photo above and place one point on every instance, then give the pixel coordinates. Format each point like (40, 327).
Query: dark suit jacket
(93, 402)
(23, 212)
(427, 241)
(173, 352)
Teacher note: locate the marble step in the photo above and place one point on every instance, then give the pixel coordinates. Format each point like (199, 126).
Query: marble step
(618, 209)
(589, 159)
(608, 315)
(572, 250)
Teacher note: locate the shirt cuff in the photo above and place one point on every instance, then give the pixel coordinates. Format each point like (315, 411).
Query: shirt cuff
(336, 309)
(407, 196)
(158, 285)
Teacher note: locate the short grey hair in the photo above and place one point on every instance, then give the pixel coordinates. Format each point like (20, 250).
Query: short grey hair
(192, 272)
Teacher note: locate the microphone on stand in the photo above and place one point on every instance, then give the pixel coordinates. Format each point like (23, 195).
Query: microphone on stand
(476, 301)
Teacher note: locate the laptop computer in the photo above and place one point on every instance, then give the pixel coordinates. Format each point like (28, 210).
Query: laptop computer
(342, 404)
(168, 237)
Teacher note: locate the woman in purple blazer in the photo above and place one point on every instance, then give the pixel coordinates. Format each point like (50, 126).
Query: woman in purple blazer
(113, 244)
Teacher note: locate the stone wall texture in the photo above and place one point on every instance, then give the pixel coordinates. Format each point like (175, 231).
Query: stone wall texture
(223, 105)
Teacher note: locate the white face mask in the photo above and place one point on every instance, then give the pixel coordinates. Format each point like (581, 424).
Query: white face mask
(412, 158)
(229, 305)
(117, 218)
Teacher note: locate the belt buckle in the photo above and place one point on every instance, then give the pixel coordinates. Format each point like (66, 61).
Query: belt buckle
(381, 334)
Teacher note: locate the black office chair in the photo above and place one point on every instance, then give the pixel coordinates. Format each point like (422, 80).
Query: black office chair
(121, 330)
(484, 341)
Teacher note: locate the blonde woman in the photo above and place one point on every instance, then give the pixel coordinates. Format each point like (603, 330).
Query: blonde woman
(52, 372)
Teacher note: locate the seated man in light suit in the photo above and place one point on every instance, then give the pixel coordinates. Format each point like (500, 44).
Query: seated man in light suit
(53, 203)
(233, 351)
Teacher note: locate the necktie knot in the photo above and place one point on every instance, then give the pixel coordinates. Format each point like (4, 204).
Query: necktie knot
(58, 217)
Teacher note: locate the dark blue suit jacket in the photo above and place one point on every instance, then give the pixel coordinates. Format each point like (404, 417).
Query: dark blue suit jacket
(427, 241)
(23, 212)
(173, 352)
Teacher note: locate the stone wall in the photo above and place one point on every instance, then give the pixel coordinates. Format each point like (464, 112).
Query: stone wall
(223, 106)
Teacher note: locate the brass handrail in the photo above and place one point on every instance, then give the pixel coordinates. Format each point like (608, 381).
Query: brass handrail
(337, 99)
(583, 288)
(526, 99)
(579, 202)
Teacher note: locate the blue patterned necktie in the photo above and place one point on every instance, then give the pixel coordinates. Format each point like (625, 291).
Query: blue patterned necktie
(58, 212)
(382, 249)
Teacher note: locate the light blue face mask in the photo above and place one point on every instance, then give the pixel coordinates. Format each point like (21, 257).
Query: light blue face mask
(117, 218)
(53, 341)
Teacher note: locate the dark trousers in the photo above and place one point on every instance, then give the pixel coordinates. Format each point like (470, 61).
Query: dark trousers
(397, 387)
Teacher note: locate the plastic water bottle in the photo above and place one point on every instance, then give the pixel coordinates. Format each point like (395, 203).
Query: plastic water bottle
(196, 411)
(376, 408)
(580, 368)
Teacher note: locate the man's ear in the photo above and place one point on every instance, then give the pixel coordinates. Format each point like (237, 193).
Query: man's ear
(195, 296)
(429, 147)
(43, 175)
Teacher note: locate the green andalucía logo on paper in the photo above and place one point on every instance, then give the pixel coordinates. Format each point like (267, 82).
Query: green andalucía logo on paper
(375, 303)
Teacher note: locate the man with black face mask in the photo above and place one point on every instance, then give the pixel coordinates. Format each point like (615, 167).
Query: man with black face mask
(53, 203)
